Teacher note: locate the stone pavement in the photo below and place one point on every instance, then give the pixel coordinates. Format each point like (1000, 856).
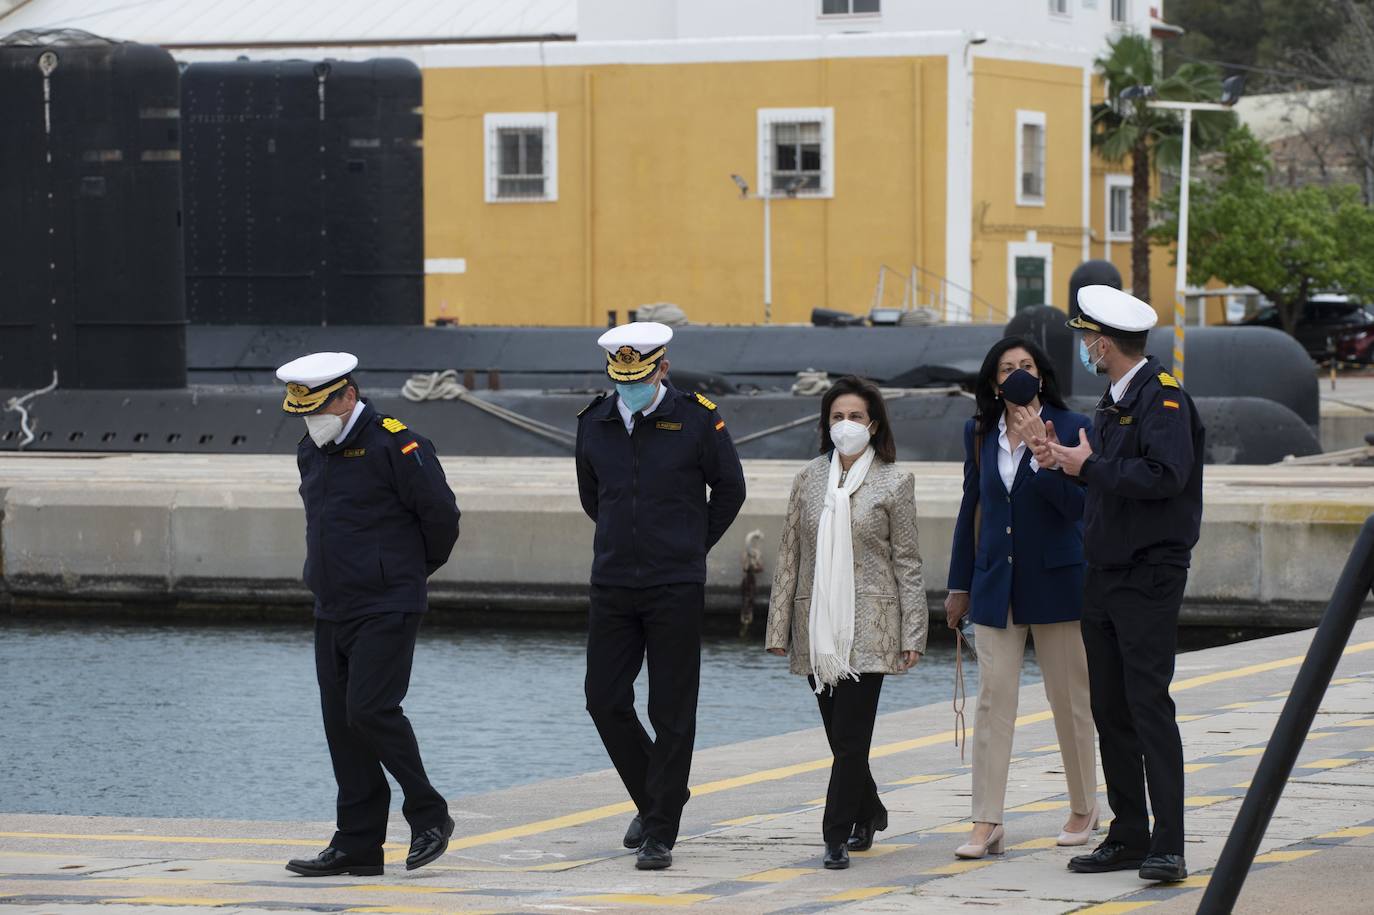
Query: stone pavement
(751, 832)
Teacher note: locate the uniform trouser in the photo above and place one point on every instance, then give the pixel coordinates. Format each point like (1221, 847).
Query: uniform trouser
(1059, 649)
(848, 712)
(1130, 631)
(625, 625)
(363, 666)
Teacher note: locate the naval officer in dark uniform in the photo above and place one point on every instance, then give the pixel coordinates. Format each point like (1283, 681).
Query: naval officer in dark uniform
(379, 520)
(646, 456)
(1142, 468)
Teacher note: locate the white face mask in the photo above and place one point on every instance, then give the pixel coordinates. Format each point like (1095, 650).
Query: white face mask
(324, 427)
(849, 437)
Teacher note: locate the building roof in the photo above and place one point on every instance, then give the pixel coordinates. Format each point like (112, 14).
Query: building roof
(284, 23)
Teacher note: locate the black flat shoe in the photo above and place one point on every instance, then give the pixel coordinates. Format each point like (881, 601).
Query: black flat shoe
(1109, 856)
(428, 845)
(653, 856)
(1164, 868)
(864, 833)
(836, 856)
(634, 836)
(333, 863)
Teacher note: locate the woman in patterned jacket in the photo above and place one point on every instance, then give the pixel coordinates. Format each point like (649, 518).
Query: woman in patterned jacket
(848, 601)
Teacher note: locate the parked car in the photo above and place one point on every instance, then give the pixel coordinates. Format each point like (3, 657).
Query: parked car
(1325, 320)
(1356, 345)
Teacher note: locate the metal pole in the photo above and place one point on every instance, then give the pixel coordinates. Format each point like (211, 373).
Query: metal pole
(1275, 766)
(1181, 283)
(767, 259)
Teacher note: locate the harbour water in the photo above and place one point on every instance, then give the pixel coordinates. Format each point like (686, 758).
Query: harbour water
(218, 721)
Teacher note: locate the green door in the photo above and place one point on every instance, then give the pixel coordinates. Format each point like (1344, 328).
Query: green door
(1030, 282)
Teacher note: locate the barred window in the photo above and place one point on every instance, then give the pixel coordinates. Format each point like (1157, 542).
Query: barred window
(1030, 158)
(796, 151)
(1121, 11)
(522, 161)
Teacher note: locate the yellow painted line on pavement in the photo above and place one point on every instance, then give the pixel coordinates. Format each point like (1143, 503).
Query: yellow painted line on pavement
(1221, 676)
(161, 881)
(1245, 785)
(1240, 704)
(961, 826)
(401, 888)
(1195, 882)
(1350, 832)
(751, 819)
(1036, 844)
(877, 851)
(1318, 735)
(922, 779)
(1327, 763)
(959, 867)
(642, 898)
(1185, 718)
(1244, 751)
(859, 895)
(1196, 767)
(1207, 800)
(172, 901)
(1040, 806)
(1047, 748)
(1344, 681)
(777, 875)
(1358, 723)
(1112, 908)
(1281, 857)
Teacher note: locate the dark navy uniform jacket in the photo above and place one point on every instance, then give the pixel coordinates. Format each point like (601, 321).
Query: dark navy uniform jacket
(647, 492)
(379, 519)
(1029, 554)
(1144, 498)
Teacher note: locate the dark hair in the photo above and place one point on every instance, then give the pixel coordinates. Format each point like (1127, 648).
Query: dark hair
(884, 445)
(985, 389)
(1131, 346)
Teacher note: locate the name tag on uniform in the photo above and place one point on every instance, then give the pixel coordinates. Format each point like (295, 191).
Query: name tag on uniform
(1126, 420)
(671, 427)
(354, 452)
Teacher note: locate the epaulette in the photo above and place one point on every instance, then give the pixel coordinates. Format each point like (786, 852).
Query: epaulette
(705, 401)
(596, 400)
(392, 425)
(1167, 380)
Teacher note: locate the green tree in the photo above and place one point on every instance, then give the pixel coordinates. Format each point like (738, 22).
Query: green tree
(1150, 137)
(1288, 243)
(1270, 35)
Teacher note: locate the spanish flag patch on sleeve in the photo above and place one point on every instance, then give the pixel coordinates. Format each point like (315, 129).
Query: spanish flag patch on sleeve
(1171, 404)
(406, 449)
(720, 424)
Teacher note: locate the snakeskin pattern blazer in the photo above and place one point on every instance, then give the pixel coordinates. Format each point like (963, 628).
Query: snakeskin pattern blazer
(890, 613)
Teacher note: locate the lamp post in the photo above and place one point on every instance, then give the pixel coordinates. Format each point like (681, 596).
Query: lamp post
(1231, 89)
(791, 190)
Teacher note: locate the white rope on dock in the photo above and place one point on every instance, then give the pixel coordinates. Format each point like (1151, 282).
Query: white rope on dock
(446, 386)
(17, 405)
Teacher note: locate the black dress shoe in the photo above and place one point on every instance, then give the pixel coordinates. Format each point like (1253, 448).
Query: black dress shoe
(864, 833)
(836, 856)
(653, 855)
(428, 845)
(1164, 868)
(1109, 856)
(331, 863)
(634, 836)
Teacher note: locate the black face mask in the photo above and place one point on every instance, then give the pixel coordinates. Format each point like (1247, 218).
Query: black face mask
(1021, 387)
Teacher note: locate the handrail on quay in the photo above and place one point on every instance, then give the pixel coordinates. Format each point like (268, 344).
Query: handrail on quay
(1281, 753)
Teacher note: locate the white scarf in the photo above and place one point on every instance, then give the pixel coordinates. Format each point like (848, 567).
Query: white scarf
(832, 593)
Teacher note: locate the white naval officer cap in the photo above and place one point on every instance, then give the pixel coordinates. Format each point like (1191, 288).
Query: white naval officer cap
(634, 350)
(312, 380)
(1112, 312)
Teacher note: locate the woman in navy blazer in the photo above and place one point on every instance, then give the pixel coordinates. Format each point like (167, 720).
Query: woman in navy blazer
(1016, 568)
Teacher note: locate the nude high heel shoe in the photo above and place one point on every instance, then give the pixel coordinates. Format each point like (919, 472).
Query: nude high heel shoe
(1081, 838)
(993, 845)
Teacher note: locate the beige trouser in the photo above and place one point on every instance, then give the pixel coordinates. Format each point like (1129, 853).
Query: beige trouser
(1059, 649)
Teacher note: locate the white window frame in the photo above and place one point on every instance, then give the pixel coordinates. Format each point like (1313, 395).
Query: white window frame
(1029, 248)
(545, 120)
(767, 117)
(1116, 182)
(1061, 9)
(822, 14)
(1023, 119)
(1125, 12)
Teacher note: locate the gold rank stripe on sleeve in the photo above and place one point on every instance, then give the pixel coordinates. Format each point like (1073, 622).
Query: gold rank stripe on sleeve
(409, 448)
(1171, 404)
(1169, 381)
(393, 425)
(705, 402)
(720, 424)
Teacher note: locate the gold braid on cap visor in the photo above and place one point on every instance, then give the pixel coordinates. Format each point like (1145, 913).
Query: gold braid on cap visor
(301, 400)
(1082, 323)
(628, 364)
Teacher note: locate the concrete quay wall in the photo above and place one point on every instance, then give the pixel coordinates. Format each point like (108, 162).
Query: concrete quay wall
(178, 531)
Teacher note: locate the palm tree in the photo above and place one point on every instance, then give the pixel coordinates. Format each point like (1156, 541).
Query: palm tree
(1150, 136)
